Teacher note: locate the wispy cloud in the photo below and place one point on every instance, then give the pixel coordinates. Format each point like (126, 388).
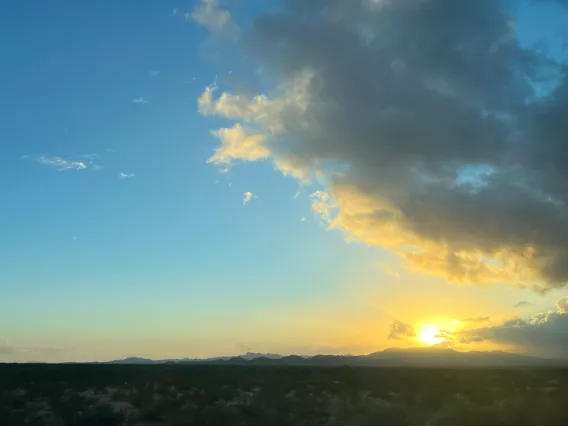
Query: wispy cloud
(91, 156)
(175, 11)
(299, 191)
(57, 163)
(476, 320)
(10, 351)
(218, 20)
(154, 73)
(6, 348)
(247, 198)
(92, 161)
(400, 330)
(142, 101)
(387, 270)
(522, 304)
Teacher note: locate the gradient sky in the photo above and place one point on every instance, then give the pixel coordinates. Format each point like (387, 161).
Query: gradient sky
(118, 238)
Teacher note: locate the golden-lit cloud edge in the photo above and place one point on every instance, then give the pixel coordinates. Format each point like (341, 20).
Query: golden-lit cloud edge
(427, 162)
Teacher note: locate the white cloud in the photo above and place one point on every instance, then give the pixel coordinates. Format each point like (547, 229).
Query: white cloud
(81, 162)
(58, 163)
(141, 101)
(175, 11)
(247, 198)
(126, 175)
(218, 20)
(154, 73)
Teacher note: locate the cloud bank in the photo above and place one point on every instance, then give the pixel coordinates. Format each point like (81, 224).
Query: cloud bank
(434, 133)
(542, 333)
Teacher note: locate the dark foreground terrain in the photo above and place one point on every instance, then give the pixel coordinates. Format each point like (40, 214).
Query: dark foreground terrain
(145, 395)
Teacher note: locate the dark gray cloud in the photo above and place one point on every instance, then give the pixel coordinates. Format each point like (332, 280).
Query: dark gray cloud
(543, 333)
(441, 137)
(400, 330)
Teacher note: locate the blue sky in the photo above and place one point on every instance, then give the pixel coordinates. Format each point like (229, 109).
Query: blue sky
(78, 245)
(165, 260)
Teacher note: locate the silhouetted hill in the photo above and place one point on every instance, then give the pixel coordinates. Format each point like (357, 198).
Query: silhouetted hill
(436, 357)
(394, 357)
(135, 360)
(254, 355)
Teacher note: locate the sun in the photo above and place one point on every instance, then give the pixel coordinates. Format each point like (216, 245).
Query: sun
(429, 335)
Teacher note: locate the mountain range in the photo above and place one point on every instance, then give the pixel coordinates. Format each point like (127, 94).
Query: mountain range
(394, 357)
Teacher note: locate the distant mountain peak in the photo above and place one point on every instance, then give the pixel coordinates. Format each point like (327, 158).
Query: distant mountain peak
(390, 357)
(254, 355)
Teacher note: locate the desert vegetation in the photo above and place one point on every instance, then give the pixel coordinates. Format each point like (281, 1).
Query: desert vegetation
(187, 395)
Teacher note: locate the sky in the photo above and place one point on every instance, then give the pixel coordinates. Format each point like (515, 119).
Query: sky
(206, 178)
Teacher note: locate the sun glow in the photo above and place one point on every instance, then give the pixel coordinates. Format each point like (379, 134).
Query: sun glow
(429, 335)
